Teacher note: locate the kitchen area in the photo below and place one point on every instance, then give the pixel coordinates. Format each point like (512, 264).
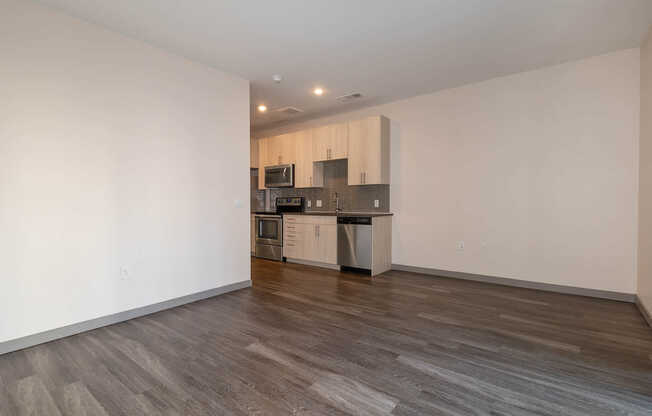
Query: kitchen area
(321, 196)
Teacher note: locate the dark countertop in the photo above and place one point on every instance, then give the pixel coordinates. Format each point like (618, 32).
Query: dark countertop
(342, 214)
(328, 213)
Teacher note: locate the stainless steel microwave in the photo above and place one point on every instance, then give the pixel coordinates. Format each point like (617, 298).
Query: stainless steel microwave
(281, 176)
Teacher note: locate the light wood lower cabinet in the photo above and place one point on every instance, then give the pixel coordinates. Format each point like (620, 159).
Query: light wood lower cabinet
(310, 238)
(325, 249)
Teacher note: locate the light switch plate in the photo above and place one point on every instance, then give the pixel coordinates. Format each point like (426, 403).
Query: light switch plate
(319, 203)
(376, 203)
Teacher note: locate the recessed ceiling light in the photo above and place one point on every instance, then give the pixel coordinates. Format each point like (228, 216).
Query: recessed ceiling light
(318, 91)
(262, 108)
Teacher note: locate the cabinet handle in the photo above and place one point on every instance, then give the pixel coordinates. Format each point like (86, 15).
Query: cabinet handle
(365, 178)
(311, 181)
(360, 178)
(317, 227)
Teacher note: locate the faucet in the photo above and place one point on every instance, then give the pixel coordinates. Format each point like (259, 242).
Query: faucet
(336, 198)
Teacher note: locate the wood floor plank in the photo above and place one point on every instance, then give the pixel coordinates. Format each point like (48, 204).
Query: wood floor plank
(77, 400)
(32, 398)
(352, 396)
(311, 341)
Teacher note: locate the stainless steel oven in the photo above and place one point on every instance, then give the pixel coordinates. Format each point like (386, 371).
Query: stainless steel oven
(281, 176)
(269, 236)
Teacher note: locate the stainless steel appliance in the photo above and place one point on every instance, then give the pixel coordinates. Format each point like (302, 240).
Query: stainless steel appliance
(269, 228)
(281, 176)
(269, 236)
(354, 242)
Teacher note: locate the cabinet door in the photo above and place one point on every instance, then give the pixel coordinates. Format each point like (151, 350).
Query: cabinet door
(288, 149)
(294, 235)
(281, 150)
(273, 151)
(325, 250)
(253, 153)
(307, 174)
(358, 151)
(368, 161)
(263, 146)
(340, 141)
(330, 142)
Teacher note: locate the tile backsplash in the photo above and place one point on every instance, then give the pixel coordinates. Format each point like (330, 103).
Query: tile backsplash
(352, 198)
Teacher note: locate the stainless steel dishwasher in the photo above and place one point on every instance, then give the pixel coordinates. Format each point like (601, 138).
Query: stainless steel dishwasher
(354, 242)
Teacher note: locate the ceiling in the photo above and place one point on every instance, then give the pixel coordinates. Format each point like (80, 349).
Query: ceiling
(384, 49)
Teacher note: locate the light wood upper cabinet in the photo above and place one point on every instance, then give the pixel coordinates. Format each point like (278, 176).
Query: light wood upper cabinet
(306, 174)
(281, 150)
(276, 150)
(365, 143)
(330, 142)
(263, 144)
(368, 154)
(253, 153)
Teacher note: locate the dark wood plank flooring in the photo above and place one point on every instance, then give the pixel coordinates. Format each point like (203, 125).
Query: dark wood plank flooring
(310, 341)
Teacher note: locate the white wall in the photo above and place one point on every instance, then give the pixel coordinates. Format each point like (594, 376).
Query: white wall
(645, 180)
(113, 155)
(535, 172)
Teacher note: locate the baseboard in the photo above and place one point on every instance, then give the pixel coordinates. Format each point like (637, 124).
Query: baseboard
(526, 284)
(313, 263)
(646, 314)
(66, 331)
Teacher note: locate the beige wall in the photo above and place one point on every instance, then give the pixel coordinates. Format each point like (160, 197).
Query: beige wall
(535, 172)
(119, 166)
(645, 180)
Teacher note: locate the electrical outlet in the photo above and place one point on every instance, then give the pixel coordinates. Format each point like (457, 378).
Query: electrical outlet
(124, 274)
(309, 203)
(460, 245)
(376, 203)
(319, 203)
